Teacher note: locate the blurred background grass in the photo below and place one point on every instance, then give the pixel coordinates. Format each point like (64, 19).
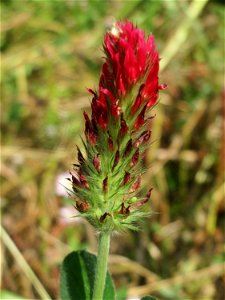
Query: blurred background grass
(51, 51)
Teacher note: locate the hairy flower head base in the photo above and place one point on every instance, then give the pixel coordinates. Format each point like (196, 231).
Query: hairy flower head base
(108, 176)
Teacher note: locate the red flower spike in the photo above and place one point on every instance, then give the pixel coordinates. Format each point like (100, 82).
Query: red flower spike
(110, 142)
(97, 163)
(126, 178)
(116, 131)
(128, 148)
(143, 138)
(135, 158)
(80, 156)
(123, 126)
(116, 160)
(105, 185)
(128, 55)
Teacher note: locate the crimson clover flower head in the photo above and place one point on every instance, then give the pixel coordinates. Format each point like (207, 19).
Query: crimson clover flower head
(106, 180)
(129, 57)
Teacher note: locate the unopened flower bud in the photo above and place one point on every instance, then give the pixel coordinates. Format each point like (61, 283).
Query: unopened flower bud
(105, 185)
(83, 180)
(138, 101)
(110, 142)
(90, 131)
(82, 206)
(116, 160)
(123, 126)
(96, 162)
(80, 157)
(141, 202)
(103, 217)
(140, 119)
(128, 148)
(126, 178)
(124, 210)
(135, 158)
(136, 185)
(143, 138)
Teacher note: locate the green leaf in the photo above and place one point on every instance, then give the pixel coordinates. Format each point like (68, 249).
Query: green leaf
(148, 298)
(77, 277)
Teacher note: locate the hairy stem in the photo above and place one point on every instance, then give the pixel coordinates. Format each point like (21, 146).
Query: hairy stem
(101, 268)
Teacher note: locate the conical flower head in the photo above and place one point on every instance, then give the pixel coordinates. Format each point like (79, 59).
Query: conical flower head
(108, 176)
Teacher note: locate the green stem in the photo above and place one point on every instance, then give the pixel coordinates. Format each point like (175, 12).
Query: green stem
(101, 268)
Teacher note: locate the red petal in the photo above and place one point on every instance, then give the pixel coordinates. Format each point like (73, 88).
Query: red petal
(123, 126)
(140, 119)
(89, 130)
(138, 101)
(163, 86)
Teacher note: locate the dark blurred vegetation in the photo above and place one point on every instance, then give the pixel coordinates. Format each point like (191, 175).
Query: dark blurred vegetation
(51, 51)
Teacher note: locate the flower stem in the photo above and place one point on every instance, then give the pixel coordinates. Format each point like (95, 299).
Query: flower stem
(101, 268)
